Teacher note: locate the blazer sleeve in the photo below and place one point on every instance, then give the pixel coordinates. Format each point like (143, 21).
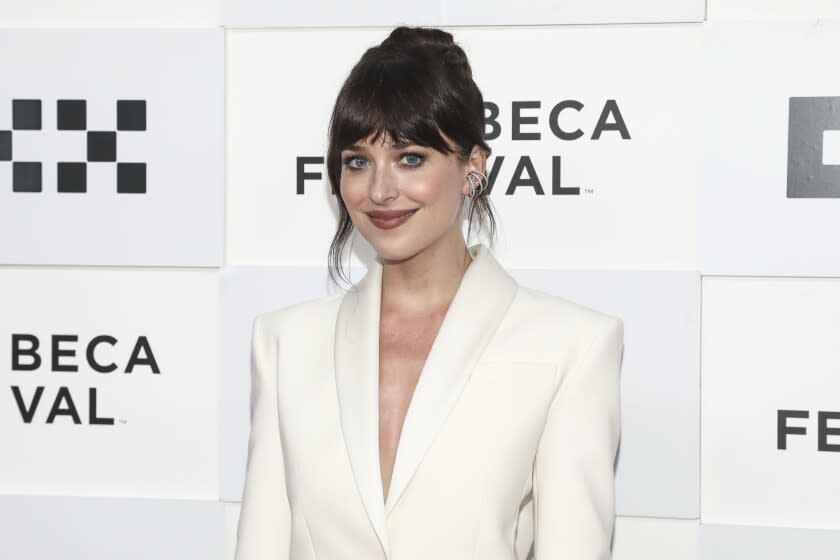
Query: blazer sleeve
(264, 529)
(574, 481)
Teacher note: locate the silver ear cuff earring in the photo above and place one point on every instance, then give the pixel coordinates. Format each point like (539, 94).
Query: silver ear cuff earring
(477, 181)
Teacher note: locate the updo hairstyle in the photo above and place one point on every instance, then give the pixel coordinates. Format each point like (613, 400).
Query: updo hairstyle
(415, 84)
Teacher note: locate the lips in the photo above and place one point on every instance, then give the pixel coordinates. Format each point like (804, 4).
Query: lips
(389, 214)
(387, 219)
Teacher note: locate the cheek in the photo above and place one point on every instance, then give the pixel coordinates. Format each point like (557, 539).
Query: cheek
(438, 187)
(351, 191)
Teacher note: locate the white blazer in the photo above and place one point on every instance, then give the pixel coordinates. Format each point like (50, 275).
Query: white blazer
(509, 441)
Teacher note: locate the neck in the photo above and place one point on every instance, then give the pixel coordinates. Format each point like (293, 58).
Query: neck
(426, 282)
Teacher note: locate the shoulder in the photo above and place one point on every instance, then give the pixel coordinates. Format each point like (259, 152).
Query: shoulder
(546, 327)
(303, 316)
(551, 309)
(540, 326)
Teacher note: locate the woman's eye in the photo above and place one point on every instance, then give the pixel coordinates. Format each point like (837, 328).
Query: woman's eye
(350, 160)
(413, 160)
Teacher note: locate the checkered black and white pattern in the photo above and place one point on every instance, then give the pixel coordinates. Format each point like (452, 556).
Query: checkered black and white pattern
(101, 145)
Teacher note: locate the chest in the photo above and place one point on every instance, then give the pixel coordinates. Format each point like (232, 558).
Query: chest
(482, 453)
(404, 345)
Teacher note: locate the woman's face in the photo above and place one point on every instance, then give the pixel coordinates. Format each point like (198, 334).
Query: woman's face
(380, 182)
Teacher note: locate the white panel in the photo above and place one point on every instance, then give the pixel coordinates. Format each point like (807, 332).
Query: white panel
(772, 9)
(770, 345)
(733, 542)
(329, 13)
(262, 206)
(179, 219)
(75, 528)
(631, 190)
(751, 221)
(640, 538)
(334, 13)
(160, 439)
(659, 459)
(107, 13)
(831, 147)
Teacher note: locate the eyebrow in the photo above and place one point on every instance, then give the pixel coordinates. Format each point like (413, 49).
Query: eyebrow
(394, 146)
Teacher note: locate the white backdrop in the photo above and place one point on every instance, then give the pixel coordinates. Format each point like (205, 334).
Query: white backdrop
(685, 229)
(161, 395)
(648, 78)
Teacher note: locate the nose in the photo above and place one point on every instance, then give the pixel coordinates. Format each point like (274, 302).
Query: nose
(382, 185)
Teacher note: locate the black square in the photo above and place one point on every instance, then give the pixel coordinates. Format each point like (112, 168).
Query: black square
(26, 114)
(131, 177)
(101, 146)
(72, 176)
(131, 114)
(5, 145)
(72, 114)
(26, 176)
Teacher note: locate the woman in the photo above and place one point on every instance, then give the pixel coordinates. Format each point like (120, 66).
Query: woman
(436, 409)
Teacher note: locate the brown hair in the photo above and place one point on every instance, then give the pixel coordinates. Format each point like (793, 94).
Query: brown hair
(412, 86)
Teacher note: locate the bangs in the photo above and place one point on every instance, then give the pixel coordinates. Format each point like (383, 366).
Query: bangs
(389, 101)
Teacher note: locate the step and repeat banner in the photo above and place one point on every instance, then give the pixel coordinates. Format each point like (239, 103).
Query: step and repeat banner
(162, 181)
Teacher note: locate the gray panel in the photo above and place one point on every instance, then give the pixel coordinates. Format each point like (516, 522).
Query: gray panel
(136, 178)
(808, 119)
(70, 528)
(658, 471)
(737, 542)
(245, 292)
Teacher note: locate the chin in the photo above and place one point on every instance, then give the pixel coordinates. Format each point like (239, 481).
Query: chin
(396, 251)
(393, 254)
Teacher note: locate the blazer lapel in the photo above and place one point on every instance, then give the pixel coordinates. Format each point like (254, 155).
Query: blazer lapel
(481, 301)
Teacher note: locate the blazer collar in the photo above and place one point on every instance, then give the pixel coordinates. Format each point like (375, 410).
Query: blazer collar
(481, 301)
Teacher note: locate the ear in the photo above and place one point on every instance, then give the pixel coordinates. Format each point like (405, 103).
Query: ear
(476, 162)
(478, 159)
